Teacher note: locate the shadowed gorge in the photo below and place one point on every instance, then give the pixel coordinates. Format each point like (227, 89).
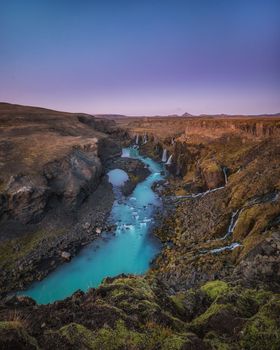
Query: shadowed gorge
(154, 233)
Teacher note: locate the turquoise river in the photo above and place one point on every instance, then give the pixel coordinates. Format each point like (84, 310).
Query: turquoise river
(130, 249)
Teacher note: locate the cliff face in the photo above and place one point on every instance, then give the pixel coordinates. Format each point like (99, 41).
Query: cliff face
(53, 190)
(224, 185)
(203, 149)
(26, 196)
(48, 157)
(253, 128)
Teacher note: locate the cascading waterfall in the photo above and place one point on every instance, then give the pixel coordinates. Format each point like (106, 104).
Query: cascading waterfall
(270, 197)
(201, 194)
(169, 161)
(231, 227)
(164, 156)
(233, 222)
(145, 139)
(137, 139)
(225, 174)
(232, 246)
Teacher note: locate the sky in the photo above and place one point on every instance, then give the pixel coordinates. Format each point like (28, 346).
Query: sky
(141, 57)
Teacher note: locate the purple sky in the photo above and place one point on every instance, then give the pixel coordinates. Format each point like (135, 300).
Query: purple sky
(142, 57)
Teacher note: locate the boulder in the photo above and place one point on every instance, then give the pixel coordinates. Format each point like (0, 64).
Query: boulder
(66, 255)
(86, 225)
(212, 173)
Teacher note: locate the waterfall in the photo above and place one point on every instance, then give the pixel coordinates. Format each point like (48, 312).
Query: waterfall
(145, 139)
(137, 139)
(225, 174)
(164, 156)
(233, 221)
(169, 161)
(201, 194)
(232, 246)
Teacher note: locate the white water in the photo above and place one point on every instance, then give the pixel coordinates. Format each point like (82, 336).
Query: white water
(164, 156)
(169, 161)
(227, 247)
(232, 224)
(201, 194)
(225, 175)
(145, 139)
(125, 153)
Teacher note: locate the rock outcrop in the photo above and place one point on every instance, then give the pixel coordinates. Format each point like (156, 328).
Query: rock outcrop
(131, 313)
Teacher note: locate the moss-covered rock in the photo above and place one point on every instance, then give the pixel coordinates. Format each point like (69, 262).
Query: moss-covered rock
(14, 336)
(215, 288)
(262, 331)
(152, 336)
(217, 342)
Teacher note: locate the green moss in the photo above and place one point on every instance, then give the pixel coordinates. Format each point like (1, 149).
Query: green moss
(153, 336)
(262, 331)
(217, 343)
(178, 301)
(215, 288)
(118, 338)
(159, 337)
(136, 286)
(78, 336)
(249, 300)
(9, 325)
(14, 332)
(210, 312)
(27, 243)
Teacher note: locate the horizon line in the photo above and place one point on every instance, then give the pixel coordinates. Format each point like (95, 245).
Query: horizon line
(185, 114)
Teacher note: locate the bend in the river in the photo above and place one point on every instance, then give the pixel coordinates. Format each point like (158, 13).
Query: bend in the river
(129, 250)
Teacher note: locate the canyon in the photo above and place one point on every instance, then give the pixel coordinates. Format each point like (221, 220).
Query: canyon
(215, 282)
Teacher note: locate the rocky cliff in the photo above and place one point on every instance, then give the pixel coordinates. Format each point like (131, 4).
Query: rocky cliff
(49, 157)
(215, 285)
(248, 127)
(52, 180)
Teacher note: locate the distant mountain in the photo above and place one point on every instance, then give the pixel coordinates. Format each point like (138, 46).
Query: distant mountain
(187, 115)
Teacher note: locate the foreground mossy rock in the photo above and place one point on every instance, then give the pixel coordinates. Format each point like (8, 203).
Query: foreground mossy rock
(14, 336)
(151, 337)
(139, 313)
(239, 318)
(262, 331)
(138, 301)
(215, 288)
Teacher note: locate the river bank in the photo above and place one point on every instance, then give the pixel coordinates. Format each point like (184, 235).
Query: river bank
(215, 283)
(127, 248)
(78, 230)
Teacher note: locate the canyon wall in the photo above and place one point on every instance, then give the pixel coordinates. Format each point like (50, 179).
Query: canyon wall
(50, 158)
(255, 128)
(204, 149)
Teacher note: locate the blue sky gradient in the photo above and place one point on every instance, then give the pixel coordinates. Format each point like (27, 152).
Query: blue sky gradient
(142, 57)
